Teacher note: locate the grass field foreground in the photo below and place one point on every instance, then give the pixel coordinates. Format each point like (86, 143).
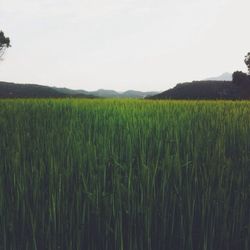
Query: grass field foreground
(124, 175)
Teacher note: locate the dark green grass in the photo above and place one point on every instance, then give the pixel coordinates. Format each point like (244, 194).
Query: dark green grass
(109, 174)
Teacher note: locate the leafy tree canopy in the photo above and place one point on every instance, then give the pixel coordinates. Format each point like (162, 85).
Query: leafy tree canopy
(4, 43)
(239, 77)
(247, 61)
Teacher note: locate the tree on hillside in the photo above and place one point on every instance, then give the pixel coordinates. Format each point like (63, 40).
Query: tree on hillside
(4, 43)
(239, 78)
(247, 61)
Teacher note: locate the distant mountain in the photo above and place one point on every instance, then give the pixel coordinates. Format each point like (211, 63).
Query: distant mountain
(13, 90)
(105, 93)
(206, 90)
(224, 77)
(70, 91)
(109, 93)
(137, 94)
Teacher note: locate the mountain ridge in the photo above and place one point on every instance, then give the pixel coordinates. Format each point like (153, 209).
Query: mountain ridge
(14, 90)
(19, 90)
(109, 93)
(206, 90)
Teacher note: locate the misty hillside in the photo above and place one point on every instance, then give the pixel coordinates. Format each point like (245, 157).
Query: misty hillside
(105, 93)
(223, 77)
(138, 94)
(205, 90)
(98, 93)
(68, 91)
(109, 93)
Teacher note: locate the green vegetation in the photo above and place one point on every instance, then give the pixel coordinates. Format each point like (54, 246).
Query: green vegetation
(109, 174)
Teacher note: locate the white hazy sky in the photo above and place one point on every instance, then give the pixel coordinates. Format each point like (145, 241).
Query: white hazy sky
(122, 44)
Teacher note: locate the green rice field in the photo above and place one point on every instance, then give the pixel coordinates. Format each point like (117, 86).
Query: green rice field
(124, 175)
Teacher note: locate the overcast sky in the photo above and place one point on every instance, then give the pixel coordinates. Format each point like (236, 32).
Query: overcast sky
(122, 44)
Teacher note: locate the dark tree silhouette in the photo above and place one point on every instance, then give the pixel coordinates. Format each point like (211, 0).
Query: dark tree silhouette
(247, 61)
(239, 78)
(4, 43)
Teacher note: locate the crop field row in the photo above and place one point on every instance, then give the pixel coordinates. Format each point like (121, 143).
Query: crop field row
(124, 175)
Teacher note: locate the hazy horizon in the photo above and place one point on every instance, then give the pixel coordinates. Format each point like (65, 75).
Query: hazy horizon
(124, 44)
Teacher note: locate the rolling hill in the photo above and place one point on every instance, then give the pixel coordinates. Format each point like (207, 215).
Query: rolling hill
(105, 93)
(13, 90)
(206, 90)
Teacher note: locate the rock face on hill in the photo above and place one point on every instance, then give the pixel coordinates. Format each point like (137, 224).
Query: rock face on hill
(207, 90)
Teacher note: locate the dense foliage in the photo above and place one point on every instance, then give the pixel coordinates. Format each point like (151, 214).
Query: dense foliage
(4, 43)
(247, 62)
(242, 79)
(95, 174)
